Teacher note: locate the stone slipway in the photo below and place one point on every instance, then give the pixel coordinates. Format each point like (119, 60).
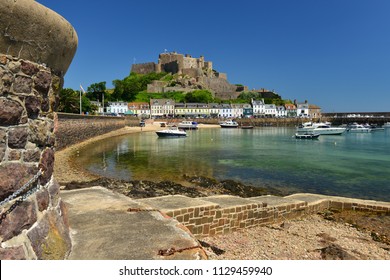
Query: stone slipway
(107, 225)
(102, 228)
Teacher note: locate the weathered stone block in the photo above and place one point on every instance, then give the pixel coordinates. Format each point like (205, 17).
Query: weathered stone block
(10, 112)
(3, 59)
(22, 217)
(14, 176)
(39, 132)
(14, 155)
(12, 253)
(23, 84)
(29, 68)
(42, 82)
(33, 106)
(31, 155)
(6, 81)
(50, 237)
(2, 151)
(14, 66)
(17, 137)
(47, 165)
(42, 199)
(54, 190)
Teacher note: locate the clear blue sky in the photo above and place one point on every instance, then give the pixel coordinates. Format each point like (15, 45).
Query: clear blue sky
(333, 53)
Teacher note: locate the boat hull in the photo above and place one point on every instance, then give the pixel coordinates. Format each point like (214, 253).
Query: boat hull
(321, 131)
(307, 136)
(170, 135)
(228, 126)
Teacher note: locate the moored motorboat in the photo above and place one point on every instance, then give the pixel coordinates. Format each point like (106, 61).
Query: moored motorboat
(386, 125)
(307, 136)
(320, 128)
(188, 125)
(229, 124)
(173, 132)
(246, 126)
(358, 128)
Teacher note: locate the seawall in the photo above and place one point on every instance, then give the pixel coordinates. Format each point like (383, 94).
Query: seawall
(73, 129)
(223, 214)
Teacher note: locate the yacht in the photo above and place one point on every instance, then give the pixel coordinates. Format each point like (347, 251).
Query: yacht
(171, 132)
(386, 125)
(229, 124)
(358, 128)
(322, 128)
(188, 125)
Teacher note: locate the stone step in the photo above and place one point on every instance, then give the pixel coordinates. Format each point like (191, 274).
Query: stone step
(275, 201)
(176, 203)
(103, 228)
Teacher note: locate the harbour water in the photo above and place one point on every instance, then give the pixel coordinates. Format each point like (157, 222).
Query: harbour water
(353, 164)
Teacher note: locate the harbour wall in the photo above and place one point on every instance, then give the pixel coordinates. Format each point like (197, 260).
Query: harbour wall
(224, 214)
(73, 128)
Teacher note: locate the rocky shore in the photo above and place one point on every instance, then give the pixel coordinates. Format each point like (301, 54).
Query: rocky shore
(328, 235)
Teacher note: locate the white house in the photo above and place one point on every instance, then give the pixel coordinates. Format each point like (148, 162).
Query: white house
(258, 107)
(118, 107)
(281, 112)
(214, 109)
(270, 110)
(162, 107)
(98, 106)
(237, 110)
(225, 111)
(141, 109)
(302, 109)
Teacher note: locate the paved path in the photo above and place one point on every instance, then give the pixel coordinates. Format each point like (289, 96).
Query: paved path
(102, 228)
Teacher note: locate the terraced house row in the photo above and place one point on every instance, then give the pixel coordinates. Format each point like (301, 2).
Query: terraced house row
(162, 108)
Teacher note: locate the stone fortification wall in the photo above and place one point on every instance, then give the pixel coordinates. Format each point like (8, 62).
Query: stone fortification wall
(33, 222)
(221, 87)
(144, 68)
(193, 72)
(190, 62)
(73, 128)
(36, 48)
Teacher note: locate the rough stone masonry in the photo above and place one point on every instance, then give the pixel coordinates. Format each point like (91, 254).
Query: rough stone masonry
(32, 66)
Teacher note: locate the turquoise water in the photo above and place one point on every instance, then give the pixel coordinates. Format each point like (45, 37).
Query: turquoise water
(353, 165)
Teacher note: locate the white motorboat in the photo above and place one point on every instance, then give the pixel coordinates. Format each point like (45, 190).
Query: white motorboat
(358, 128)
(188, 125)
(173, 132)
(229, 124)
(320, 128)
(307, 136)
(386, 125)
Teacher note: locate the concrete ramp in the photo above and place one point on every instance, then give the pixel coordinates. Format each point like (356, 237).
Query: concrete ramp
(109, 226)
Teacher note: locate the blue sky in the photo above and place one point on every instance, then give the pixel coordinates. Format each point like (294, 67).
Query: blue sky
(333, 53)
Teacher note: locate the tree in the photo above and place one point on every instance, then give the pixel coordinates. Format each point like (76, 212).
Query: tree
(199, 96)
(96, 90)
(69, 101)
(128, 88)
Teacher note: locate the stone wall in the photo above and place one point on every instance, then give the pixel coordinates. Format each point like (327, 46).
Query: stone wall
(73, 128)
(33, 221)
(37, 46)
(144, 68)
(224, 214)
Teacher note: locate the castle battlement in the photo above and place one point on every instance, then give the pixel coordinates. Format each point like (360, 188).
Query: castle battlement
(174, 63)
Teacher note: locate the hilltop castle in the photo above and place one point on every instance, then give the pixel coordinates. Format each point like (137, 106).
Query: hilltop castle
(192, 73)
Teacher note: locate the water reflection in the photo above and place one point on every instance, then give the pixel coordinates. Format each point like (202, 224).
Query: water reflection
(351, 165)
